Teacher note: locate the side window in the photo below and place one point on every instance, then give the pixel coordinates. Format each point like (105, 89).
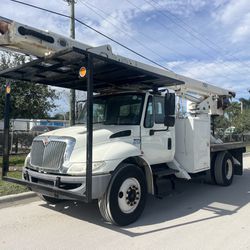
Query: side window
(149, 118)
(98, 112)
(159, 109)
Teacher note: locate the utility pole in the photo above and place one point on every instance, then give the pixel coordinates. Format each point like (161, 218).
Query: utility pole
(72, 100)
(241, 106)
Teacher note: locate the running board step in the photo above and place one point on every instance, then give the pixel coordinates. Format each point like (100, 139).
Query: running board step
(161, 172)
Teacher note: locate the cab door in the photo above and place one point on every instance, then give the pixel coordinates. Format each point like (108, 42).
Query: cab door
(157, 140)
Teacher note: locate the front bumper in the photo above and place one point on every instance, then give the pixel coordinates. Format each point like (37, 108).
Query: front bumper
(75, 185)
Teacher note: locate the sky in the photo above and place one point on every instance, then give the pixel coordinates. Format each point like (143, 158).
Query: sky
(206, 40)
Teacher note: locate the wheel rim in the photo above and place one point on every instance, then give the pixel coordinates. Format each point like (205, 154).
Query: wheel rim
(229, 169)
(129, 195)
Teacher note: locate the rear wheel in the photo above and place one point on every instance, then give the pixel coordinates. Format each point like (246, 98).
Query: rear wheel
(209, 174)
(224, 168)
(125, 197)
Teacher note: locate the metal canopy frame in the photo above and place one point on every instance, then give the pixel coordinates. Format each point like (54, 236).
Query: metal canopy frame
(62, 70)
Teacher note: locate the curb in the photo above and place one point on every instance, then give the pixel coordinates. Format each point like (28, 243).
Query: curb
(17, 197)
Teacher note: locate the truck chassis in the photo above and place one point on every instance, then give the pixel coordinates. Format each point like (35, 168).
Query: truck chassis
(108, 73)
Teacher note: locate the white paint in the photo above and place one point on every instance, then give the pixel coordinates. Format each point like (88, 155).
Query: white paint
(193, 143)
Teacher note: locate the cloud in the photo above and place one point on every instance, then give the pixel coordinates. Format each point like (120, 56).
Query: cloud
(235, 15)
(226, 74)
(233, 11)
(242, 32)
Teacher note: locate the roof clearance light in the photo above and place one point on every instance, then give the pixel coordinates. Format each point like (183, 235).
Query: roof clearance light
(82, 72)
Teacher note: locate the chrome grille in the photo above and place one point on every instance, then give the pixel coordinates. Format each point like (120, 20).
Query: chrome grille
(50, 156)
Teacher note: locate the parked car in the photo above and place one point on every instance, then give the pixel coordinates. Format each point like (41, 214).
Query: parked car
(230, 131)
(232, 134)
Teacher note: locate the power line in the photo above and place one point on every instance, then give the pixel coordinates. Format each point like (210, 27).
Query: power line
(214, 47)
(146, 36)
(180, 37)
(86, 4)
(91, 8)
(90, 27)
(176, 34)
(124, 32)
(195, 36)
(97, 31)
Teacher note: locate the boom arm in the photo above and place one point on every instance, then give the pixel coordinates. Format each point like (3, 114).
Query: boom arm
(24, 39)
(203, 97)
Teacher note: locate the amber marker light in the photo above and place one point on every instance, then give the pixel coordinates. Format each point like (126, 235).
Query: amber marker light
(8, 89)
(82, 72)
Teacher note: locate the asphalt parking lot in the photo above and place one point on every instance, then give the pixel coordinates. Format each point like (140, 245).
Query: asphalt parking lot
(195, 216)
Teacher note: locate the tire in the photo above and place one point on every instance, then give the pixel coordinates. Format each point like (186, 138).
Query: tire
(224, 169)
(209, 174)
(102, 203)
(49, 199)
(125, 198)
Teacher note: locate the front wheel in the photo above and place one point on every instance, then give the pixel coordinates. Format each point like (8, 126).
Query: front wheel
(125, 197)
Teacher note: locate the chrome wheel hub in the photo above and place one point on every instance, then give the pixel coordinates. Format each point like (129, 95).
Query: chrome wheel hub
(229, 169)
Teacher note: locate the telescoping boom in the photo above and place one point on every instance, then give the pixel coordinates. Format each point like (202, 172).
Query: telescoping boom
(28, 40)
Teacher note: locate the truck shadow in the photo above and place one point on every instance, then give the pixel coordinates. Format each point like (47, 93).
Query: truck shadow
(188, 198)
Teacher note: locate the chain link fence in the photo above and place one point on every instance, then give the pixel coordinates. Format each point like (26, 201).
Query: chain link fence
(22, 133)
(232, 136)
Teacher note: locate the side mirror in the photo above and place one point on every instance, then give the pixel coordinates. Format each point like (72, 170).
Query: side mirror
(169, 105)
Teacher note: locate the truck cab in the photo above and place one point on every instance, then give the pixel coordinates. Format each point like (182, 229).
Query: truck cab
(128, 129)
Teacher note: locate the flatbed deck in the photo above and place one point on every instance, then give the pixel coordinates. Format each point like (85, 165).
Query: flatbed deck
(228, 146)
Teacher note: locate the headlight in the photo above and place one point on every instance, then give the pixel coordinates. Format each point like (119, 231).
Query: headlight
(27, 160)
(80, 168)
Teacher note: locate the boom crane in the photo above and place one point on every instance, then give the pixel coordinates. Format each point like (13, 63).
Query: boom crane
(134, 144)
(204, 97)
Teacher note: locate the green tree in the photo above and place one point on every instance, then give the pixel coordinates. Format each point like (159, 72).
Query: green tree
(60, 116)
(242, 121)
(28, 100)
(229, 117)
(246, 103)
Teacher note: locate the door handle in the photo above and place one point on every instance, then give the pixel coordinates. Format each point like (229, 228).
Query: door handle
(153, 131)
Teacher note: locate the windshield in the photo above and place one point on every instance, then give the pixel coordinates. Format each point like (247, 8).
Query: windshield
(123, 109)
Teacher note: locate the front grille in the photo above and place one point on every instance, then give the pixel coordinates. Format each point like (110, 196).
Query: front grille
(50, 156)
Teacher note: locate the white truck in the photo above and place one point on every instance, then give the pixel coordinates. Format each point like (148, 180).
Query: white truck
(130, 139)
